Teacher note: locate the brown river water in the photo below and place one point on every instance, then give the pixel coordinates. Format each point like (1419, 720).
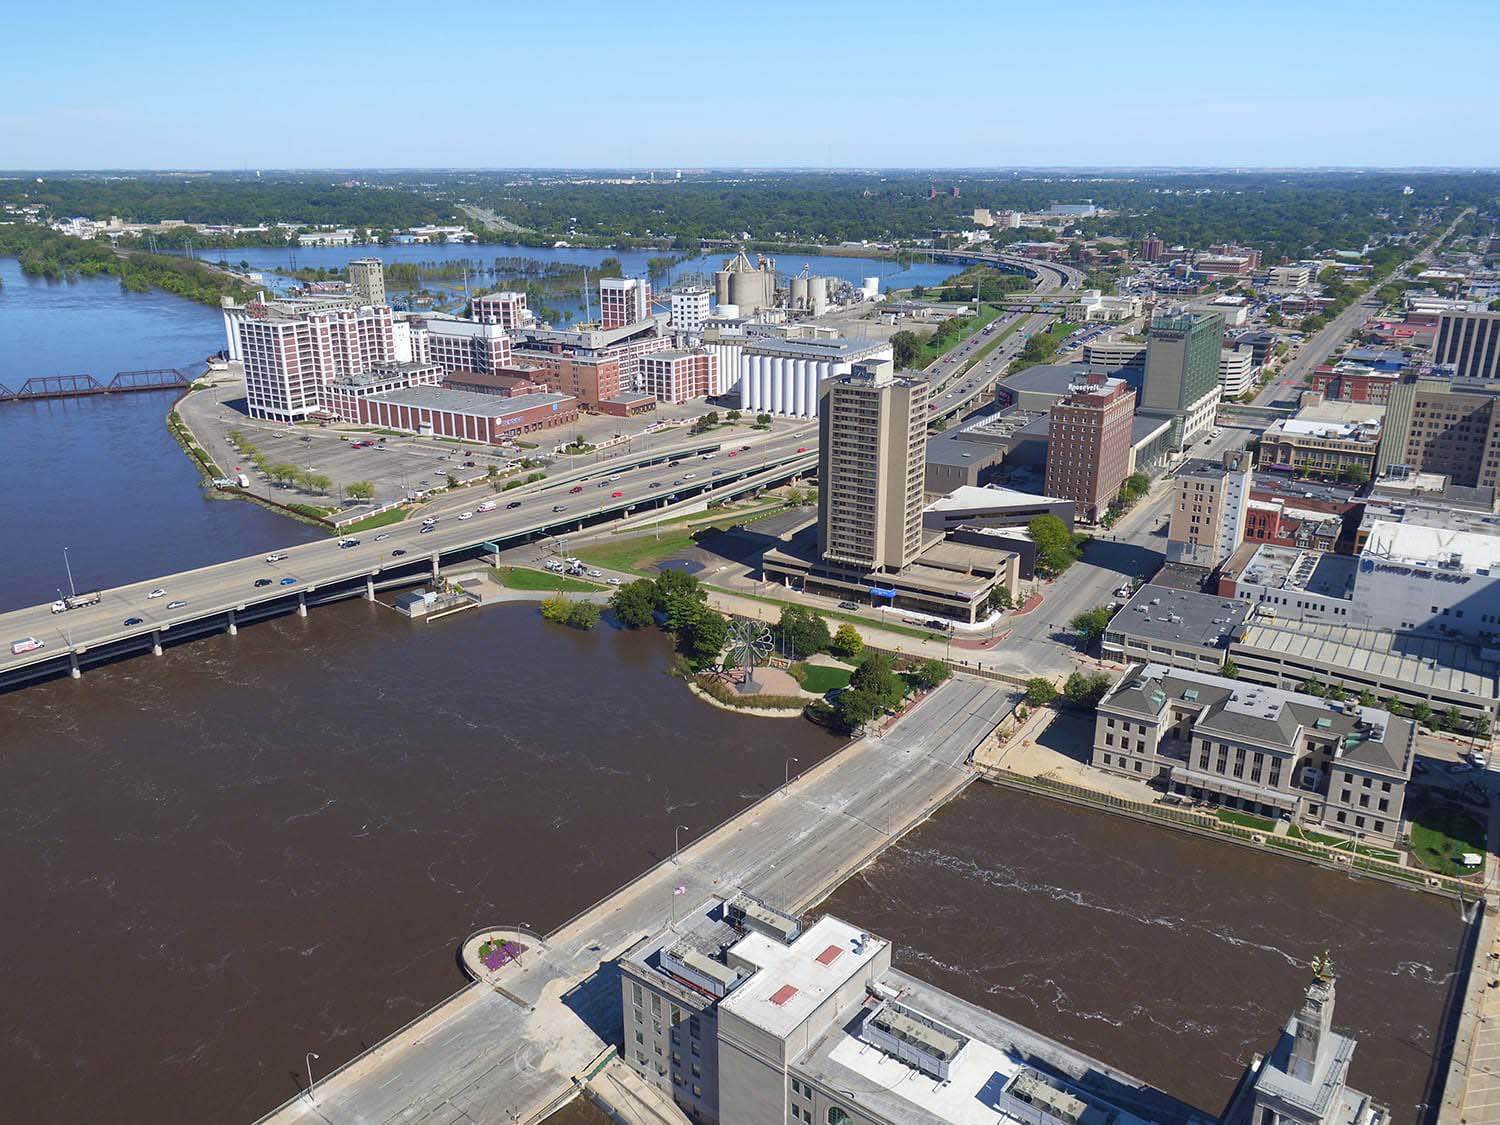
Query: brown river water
(1170, 956)
(257, 846)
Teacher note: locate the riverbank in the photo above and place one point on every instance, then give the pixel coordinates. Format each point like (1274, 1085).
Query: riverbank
(498, 1060)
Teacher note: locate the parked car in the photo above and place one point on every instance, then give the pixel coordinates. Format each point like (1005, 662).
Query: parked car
(848, 605)
(596, 574)
(614, 581)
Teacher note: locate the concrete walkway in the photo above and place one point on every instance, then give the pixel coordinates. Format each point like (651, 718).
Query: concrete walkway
(485, 1057)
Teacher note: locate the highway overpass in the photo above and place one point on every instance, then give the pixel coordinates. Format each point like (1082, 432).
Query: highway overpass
(129, 621)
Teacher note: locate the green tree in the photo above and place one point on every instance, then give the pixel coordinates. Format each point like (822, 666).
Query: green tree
(1421, 713)
(673, 585)
(491, 471)
(1367, 698)
(700, 632)
(1452, 720)
(1479, 726)
(763, 421)
(905, 347)
(452, 480)
(283, 473)
(918, 292)
(555, 609)
(734, 416)
(1055, 549)
(633, 605)
(1314, 688)
(360, 490)
(1084, 691)
(1040, 691)
(1337, 693)
(928, 674)
(1000, 599)
(876, 675)
(1091, 623)
(857, 706)
(583, 615)
(847, 643)
(803, 632)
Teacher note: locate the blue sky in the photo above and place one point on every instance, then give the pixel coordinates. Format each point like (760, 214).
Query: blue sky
(816, 83)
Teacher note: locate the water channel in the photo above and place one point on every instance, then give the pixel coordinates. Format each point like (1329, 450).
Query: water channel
(1170, 956)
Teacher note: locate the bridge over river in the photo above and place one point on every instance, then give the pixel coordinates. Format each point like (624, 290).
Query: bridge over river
(135, 619)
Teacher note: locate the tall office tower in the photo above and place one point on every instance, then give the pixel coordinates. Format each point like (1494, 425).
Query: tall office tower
(872, 455)
(1088, 443)
(1182, 372)
(1470, 341)
(367, 281)
(1439, 424)
(1152, 248)
(622, 301)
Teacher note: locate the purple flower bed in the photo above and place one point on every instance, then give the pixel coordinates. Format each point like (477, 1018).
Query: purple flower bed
(501, 955)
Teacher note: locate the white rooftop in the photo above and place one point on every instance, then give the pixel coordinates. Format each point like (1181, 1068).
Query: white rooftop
(1421, 544)
(969, 496)
(807, 967)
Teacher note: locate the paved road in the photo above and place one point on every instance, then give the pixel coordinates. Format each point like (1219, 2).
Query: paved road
(232, 585)
(1316, 350)
(484, 1057)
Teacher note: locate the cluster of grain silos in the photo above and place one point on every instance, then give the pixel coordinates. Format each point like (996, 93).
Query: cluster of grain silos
(807, 294)
(749, 287)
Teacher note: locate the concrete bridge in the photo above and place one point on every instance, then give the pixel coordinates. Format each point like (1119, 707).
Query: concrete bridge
(132, 620)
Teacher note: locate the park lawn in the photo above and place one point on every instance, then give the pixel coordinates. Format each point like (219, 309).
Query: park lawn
(1440, 834)
(822, 678)
(370, 523)
(1342, 843)
(521, 578)
(638, 554)
(1245, 820)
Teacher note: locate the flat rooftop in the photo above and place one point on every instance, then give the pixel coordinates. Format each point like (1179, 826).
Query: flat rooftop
(467, 402)
(1421, 544)
(1292, 568)
(1159, 613)
(969, 498)
(1426, 662)
(996, 1052)
(792, 980)
(839, 347)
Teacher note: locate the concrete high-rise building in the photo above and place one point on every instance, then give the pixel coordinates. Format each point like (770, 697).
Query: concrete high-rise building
(1088, 443)
(1438, 424)
(872, 455)
(367, 281)
(1470, 341)
(290, 355)
(678, 376)
(1182, 372)
(1208, 512)
(1237, 370)
(690, 308)
(622, 301)
(507, 309)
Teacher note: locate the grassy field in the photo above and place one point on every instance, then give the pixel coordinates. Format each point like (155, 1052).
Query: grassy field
(520, 578)
(1244, 820)
(835, 615)
(821, 678)
(1342, 843)
(1440, 834)
(638, 554)
(370, 523)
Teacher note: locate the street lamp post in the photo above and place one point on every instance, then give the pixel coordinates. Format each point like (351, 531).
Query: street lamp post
(69, 568)
(310, 1056)
(786, 776)
(676, 846)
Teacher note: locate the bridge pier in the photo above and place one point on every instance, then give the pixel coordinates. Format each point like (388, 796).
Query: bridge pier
(436, 573)
(301, 604)
(370, 588)
(73, 669)
(234, 630)
(156, 642)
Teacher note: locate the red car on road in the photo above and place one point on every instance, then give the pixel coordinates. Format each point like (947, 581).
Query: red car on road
(575, 488)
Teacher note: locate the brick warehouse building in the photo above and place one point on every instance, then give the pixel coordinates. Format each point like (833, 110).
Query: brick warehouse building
(465, 414)
(679, 376)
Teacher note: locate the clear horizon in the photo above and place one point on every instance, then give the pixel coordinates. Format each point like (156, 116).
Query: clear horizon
(877, 86)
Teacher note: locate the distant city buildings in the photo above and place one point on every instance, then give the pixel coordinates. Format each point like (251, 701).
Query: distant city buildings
(367, 281)
(507, 309)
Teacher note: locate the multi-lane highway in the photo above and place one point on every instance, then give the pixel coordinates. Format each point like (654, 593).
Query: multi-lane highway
(136, 616)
